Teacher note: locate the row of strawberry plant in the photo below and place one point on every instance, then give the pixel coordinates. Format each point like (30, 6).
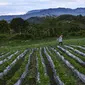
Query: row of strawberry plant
(76, 72)
(3, 51)
(54, 79)
(81, 62)
(8, 58)
(20, 73)
(5, 64)
(64, 73)
(81, 48)
(43, 62)
(72, 61)
(4, 55)
(31, 77)
(9, 71)
(75, 53)
(42, 78)
(75, 50)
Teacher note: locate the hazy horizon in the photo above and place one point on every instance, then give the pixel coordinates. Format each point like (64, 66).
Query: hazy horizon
(17, 7)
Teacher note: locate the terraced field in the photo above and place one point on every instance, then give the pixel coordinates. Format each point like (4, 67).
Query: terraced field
(52, 65)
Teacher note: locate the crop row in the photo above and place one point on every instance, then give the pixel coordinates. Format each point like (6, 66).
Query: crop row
(11, 68)
(61, 65)
(76, 72)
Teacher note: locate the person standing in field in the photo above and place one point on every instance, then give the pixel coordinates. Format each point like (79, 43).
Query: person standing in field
(60, 40)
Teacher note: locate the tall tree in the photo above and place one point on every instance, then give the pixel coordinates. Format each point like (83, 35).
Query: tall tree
(17, 24)
(4, 27)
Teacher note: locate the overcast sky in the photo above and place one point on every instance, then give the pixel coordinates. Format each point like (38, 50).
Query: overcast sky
(13, 7)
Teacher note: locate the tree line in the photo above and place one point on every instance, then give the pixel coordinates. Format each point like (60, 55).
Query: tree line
(49, 26)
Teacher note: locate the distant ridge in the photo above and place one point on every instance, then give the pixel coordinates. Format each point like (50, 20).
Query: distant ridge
(46, 12)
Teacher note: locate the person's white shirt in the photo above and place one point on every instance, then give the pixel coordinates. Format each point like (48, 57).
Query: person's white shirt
(60, 39)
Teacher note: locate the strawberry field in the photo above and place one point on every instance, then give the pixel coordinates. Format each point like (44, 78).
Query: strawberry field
(45, 65)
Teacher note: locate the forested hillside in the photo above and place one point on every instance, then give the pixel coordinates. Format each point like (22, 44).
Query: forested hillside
(38, 28)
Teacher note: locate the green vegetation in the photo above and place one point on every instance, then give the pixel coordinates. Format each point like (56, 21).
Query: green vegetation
(44, 79)
(19, 72)
(73, 62)
(4, 65)
(49, 68)
(76, 54)
(64, 73)
(19, 34)
(51, 26)
(31, 77)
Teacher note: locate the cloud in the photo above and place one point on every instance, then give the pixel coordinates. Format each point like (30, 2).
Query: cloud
(23, 6)
(44, 0)
(38, 2)
(13, 13)
(4, 3)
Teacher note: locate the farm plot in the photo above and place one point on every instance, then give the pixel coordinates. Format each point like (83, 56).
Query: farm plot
(42, 77)
(55, 65)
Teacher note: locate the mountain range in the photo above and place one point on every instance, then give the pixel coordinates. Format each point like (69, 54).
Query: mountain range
(46, 12)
